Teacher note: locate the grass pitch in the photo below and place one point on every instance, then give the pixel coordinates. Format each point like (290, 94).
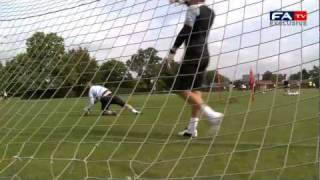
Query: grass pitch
(274, 137)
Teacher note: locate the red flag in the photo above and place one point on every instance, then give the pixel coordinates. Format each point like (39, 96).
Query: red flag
(251, 80)
(251, 83)
(219, 84)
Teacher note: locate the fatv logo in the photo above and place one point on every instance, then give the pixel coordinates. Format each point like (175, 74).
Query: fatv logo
(288, 16)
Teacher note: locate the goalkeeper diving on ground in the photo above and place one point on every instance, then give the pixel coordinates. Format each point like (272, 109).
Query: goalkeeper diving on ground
(193, 35)
(106, 98)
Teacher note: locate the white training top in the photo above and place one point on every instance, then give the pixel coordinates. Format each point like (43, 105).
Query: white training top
(192, 12)
(95, 93)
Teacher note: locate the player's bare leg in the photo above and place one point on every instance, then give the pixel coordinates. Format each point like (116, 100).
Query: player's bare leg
(132, 109)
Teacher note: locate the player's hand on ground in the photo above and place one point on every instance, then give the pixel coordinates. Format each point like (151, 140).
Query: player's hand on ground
(109, 113)
(136, 112)
(86, 111)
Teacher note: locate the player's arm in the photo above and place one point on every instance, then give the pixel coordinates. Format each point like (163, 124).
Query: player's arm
(91, 101)
(185, 32)
(182, 37)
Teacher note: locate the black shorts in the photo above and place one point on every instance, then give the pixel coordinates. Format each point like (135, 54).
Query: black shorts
(106, 101)
(191, 75)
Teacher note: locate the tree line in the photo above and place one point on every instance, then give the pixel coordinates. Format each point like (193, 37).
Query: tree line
(48, 69)
(303, 75)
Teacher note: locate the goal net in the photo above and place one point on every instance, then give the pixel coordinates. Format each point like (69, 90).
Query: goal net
(50, 50)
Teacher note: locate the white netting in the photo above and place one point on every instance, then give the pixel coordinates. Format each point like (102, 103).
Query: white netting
(49, 50)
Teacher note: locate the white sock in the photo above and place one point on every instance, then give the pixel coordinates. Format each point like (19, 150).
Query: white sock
(207, 111)
(211, 114)
(193, 124)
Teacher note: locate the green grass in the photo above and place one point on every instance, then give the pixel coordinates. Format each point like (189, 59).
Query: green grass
(39, 139)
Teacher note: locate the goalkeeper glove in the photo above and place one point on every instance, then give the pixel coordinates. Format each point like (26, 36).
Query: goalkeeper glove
(170, 58)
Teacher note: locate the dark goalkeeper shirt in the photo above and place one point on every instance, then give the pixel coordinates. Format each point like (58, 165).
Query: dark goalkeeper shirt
(194, 34)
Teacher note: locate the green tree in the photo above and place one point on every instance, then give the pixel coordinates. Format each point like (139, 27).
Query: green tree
(78, 68)
(45, 53)
(17, 74)
(33, 69)
(42, 46)
(295, 76)
(114, 70)
(143, 61)
(217, 77)
(304, 74)
(267, 76)
(147, 64)
(114, 73)
(75, 69)
(46, 65)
